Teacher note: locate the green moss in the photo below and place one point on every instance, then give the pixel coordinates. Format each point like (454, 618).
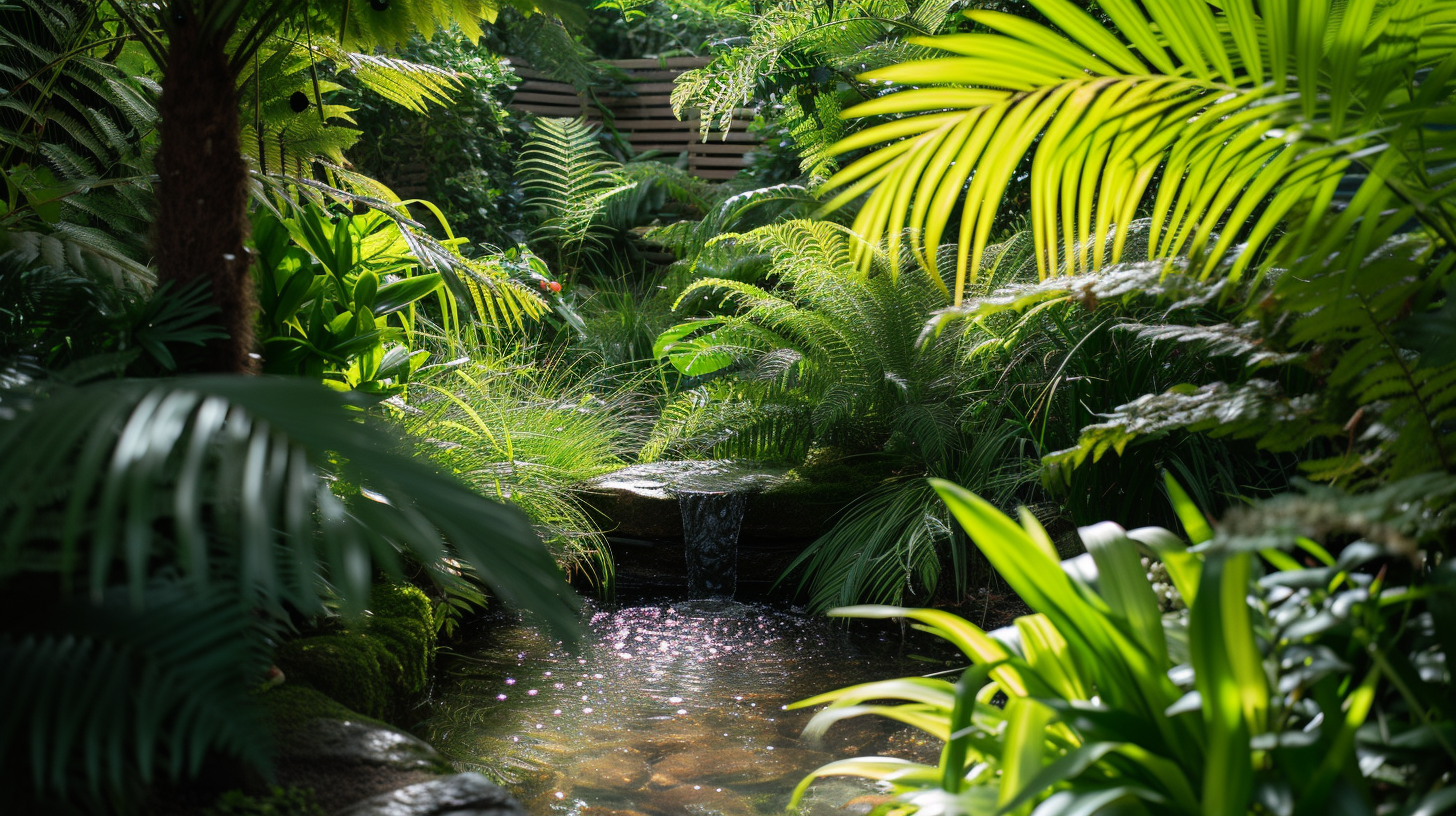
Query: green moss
(292, 705)
(401, 619)
(353, 668)
(376, 667)
(401, 601)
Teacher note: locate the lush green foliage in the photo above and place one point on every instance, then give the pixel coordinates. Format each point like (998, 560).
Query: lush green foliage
(1235, 127)
(74, 120)
(800, 59)
(1253, 698)
(118, 695)
(828, 357)
(467, 156)
(338, 298)
(529, 433)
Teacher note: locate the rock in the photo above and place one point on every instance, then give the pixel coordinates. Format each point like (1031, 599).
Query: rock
(742, 766)
(622, 769)
(359, 743)
(700, 800)
(465, 794)
(861, 805)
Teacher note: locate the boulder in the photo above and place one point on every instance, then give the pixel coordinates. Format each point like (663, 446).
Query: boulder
(345, 760)
(347, 742)
(466, 794)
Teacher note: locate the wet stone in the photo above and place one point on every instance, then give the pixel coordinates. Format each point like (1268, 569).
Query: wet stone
(464, 794)
(730, 766)
(358, 743)
(700, 800)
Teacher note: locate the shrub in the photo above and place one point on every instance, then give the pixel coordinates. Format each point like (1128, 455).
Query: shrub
(1255, 698)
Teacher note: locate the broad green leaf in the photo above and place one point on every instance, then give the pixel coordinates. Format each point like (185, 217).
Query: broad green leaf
(395, 296)
(1025, 741)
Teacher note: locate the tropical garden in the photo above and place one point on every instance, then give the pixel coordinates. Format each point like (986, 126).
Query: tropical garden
(1115, 335)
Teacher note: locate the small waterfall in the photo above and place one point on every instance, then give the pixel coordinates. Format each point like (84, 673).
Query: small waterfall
(710, 536)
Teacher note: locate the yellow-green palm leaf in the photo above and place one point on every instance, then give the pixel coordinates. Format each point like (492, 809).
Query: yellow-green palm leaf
(1232, 126)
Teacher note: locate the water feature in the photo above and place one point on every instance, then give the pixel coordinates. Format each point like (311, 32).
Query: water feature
(711, 522)
(671, 709)
(711, 497)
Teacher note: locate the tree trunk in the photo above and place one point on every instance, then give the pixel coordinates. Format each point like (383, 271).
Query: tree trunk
(202, 190)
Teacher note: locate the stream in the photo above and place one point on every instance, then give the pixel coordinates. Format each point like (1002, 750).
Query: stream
(672, 708)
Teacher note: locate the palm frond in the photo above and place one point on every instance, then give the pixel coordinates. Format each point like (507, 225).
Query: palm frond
(269, 482)
(1235, 127)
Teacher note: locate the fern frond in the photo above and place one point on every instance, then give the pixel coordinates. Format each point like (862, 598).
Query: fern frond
(115, 693)
(1257, 409)
(411, 85)
(570, 182)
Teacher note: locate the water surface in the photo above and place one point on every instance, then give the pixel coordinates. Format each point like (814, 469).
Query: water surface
(671, 709)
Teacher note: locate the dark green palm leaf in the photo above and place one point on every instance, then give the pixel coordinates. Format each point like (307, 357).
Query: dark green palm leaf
(269, 482)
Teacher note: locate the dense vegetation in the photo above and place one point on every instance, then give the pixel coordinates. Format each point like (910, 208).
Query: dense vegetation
(1181, 265)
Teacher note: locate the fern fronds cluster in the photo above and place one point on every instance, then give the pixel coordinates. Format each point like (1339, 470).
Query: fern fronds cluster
(1326, 364)
(796, 58)
(529, 434)
(569, 181)
(76, 133)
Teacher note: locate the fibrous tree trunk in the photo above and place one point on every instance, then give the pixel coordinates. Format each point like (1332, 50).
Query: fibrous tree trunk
(202, 188)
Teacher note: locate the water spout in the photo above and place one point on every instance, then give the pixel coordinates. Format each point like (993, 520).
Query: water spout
(711, 522)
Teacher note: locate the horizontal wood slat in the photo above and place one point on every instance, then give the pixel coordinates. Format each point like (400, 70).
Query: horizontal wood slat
(642, 114)
(718, 148)
(548, 98)
(665, 62)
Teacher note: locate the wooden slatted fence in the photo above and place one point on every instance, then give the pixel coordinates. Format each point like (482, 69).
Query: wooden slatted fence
(642, 114)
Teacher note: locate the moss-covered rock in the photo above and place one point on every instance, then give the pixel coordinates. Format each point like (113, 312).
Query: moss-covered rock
(377, 666)
(291, 706)
(401, 618)
(353, 668)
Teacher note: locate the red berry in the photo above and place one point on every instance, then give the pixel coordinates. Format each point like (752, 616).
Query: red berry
(543, 285)
(555, 287)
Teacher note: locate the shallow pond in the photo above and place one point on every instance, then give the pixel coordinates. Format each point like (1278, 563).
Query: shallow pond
(672, 709)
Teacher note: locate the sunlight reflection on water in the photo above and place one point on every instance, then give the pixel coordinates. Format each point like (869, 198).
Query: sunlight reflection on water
(667, 709)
